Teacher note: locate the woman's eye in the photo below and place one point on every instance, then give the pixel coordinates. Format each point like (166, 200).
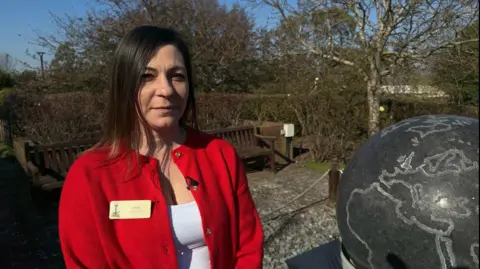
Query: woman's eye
(178, 77)
(147, 77)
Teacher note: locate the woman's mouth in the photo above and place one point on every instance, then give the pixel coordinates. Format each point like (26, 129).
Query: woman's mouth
(164, 108)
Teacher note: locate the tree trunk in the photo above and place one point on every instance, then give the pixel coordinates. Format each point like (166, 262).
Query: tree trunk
(373, 99)
(301, 120)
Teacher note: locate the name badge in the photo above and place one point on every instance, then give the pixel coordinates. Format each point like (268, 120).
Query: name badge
(132, 209)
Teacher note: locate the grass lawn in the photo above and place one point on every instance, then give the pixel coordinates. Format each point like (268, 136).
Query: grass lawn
(320, 167)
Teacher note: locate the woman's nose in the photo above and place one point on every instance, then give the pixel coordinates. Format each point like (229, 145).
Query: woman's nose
(164, 86)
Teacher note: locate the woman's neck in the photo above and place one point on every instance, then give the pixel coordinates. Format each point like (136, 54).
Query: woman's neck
(158, 142)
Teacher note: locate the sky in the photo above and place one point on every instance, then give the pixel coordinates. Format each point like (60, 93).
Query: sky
(20, 19)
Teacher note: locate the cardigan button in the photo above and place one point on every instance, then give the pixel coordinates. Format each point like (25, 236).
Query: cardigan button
(209, 231)
(178, 154)
(165, 249)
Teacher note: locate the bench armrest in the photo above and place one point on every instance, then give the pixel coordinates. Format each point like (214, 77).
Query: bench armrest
(266, 137)
(32, 169)
(52, 186)
(268, 140)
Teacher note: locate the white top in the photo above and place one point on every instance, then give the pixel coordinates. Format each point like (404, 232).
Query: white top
(192, 253)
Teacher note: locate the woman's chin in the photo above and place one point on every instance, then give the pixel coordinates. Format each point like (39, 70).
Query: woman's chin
(165, 123)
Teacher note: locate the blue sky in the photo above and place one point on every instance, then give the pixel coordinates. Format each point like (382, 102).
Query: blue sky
(20, 19)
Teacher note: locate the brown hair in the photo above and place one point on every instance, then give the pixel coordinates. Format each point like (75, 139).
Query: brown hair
(131, 57)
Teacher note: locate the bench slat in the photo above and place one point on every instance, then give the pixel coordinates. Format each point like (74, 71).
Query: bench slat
(253, 152)
(55, 159)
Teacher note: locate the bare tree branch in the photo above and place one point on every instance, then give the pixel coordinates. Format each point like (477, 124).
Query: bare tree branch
(388, 33)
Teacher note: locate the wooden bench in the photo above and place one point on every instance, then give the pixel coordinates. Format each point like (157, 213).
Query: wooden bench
(248, 143)
(48, 164)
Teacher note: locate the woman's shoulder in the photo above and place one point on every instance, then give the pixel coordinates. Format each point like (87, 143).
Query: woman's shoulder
(91, 158)
(82, 171)
(208, 141)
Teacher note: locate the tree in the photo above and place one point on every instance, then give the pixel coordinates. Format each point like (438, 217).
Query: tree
(65, 59)
(25, 77)
(455, 70)
(387, 34)
(221, 40)
(6, 62)
(6, 79)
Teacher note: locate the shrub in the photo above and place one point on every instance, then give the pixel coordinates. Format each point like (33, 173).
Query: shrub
(6, 79)
(57, 117)
(333, 122)
(6, 152)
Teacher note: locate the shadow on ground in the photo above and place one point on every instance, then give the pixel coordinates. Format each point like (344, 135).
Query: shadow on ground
(28, 222)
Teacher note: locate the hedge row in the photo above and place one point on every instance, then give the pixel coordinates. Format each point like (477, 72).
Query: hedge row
(336, 121)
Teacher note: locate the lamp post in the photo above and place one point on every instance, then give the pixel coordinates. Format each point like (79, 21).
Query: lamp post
(41, 63)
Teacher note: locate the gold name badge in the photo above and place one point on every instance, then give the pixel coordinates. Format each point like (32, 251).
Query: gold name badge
(131, 209)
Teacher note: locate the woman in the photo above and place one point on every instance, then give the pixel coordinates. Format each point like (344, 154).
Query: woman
(155, 193)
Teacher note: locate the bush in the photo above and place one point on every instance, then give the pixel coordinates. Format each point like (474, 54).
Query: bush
(334, 122)
(6, 152)
(4, 97)
(402, 109)
(6, 79)
(47, 118)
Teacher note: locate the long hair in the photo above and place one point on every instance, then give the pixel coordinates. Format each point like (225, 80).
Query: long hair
(133, 53)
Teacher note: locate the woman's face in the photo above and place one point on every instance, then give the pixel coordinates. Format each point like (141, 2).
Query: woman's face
(164, 93)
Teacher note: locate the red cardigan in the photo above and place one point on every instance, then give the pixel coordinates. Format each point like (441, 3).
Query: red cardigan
(89, 239)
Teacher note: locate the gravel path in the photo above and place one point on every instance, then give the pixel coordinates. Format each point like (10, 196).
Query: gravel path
(28, 228)
(300, 226)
